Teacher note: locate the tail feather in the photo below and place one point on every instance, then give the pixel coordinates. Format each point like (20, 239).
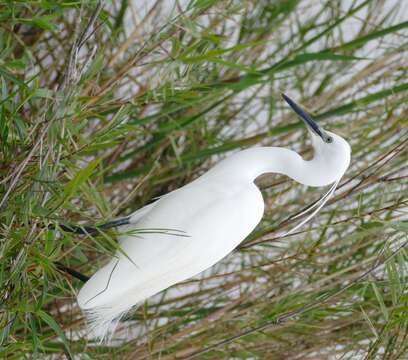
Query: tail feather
(102, 321)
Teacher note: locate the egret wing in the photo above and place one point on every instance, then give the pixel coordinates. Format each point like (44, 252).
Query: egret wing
(198, 228)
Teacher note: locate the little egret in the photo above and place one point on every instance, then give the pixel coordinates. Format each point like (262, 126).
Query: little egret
(215, 213)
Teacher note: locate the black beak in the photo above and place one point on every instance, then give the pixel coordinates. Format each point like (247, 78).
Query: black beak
(305, 116)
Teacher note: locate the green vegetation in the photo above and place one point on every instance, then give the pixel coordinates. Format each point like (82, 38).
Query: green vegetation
(105, 106)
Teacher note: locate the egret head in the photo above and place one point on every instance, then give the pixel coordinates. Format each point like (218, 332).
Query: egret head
(330, 149)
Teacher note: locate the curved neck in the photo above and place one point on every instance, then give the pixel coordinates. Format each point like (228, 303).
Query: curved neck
(250, 163)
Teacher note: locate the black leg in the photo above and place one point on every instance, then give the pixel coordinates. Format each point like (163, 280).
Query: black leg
(115, 223)
(71, 272)
(86, 230)
(89, 230)
(80, 230)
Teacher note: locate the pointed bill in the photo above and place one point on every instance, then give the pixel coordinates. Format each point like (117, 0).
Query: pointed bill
(305, 116)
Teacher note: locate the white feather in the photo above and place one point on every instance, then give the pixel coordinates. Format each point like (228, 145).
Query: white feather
(320, 203)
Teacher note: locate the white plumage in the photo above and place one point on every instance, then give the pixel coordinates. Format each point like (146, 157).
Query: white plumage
(200, 224)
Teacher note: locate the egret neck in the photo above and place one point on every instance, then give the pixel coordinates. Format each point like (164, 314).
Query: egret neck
(261, 160)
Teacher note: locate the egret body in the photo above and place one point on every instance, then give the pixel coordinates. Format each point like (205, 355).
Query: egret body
(206, 219)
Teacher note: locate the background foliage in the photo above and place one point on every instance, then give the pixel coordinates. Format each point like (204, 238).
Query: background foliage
(105, 106)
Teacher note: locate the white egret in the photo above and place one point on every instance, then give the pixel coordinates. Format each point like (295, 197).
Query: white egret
(216, 212)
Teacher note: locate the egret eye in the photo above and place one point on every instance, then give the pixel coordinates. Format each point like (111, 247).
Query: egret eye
(329, 139)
